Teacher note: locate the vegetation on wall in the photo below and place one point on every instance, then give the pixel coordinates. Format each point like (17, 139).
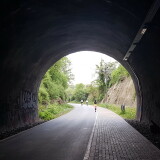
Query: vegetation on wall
(118, 74)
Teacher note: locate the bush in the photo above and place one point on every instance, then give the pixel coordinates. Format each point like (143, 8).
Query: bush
(55, 82)
(53, 110)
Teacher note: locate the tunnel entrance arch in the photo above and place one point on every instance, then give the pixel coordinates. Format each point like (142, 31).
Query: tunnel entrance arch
(36, 35)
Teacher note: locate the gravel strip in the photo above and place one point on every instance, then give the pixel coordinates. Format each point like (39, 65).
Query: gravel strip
(144, 129)
(6, 134)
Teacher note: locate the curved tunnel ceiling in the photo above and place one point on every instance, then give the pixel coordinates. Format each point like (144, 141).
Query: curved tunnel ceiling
(39, 31)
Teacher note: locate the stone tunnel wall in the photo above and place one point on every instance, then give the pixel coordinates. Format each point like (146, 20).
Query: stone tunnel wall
(146, 61)
(23, 110)
(34, 35)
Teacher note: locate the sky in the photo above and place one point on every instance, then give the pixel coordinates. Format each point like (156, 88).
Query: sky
(84, 65)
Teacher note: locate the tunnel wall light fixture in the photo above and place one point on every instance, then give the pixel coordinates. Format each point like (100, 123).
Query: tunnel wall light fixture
(144, 27)
(143, 31)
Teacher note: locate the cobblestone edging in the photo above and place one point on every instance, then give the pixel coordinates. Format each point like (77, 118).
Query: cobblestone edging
(113, 138)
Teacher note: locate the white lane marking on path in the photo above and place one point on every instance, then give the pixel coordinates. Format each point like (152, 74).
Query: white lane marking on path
(86, 157)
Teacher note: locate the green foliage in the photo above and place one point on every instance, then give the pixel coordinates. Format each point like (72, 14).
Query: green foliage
(118, 74)
(80, 92)
(55, 82)
(53, 110)
(103, 71)
(70, 93)
(92, 91)
(130, 113)
(57, 76)
(43, 96)
(83, 92)
(61, 72)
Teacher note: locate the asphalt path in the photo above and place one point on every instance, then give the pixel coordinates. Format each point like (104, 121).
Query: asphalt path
(64, 138)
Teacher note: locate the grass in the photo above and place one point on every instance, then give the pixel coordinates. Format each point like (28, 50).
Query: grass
(53, 111)
(130, 112)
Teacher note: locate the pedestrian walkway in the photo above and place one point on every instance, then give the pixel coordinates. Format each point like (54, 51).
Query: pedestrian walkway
(113, 138)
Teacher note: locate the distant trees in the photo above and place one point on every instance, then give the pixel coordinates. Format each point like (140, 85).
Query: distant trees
(56, 83)
(92, 90)
(107, 75)
(80, 92)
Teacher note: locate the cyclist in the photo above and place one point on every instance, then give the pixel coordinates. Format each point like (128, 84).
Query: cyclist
(87, 102)
(95, 105)
(81, 102)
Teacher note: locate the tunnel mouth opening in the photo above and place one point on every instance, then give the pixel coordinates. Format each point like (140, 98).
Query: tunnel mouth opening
(119, 101)
(30, 97)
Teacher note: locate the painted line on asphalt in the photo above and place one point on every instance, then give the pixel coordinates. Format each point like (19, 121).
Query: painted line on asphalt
(86, 157)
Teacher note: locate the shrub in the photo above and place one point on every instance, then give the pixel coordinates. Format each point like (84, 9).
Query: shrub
(43, 96)
(53, 110)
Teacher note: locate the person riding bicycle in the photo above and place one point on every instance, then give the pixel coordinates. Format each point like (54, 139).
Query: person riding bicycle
(81, 101)
(87, 102)
(95, 105)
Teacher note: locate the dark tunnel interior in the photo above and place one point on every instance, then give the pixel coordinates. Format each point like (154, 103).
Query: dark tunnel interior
(35, 34)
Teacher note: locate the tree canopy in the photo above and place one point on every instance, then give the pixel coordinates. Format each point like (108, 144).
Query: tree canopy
(104, 70)
(56, 81)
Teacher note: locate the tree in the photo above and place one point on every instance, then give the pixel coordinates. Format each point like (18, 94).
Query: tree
(56, 81)
(66, 69)
(103, 70)
(80, 92)
(92, 91)
(70, 93)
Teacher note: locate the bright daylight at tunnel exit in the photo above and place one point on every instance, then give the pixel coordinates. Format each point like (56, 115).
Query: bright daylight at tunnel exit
(84, 77)
(80, 80)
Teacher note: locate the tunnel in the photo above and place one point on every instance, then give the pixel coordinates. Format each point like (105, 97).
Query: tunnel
(35, 34)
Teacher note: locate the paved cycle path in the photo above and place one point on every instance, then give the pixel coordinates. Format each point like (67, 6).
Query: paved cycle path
(82, 134)
(64, 138)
